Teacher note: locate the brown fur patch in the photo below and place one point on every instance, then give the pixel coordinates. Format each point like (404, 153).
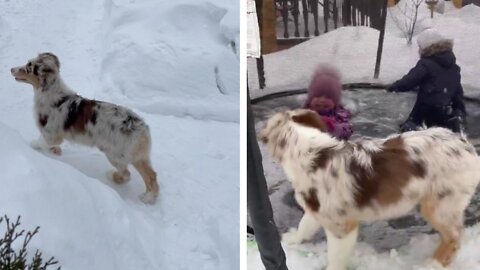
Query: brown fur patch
(322, 158)
(79, 114)
(444, 193)
(282, 143)
(310, 119)
(311, 199)
(391, 171)
(419, 168)
(42, 119)
(350, 225)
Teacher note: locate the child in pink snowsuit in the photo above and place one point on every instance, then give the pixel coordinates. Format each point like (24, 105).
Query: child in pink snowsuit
(325, 97)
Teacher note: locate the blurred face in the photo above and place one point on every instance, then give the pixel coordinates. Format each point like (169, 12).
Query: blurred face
(322, 104)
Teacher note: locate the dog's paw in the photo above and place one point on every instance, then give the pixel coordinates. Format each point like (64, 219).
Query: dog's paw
(56, 150)
(37, 145)
(332, 267)
(148, 197)
(292, 237)
(120, 178)
(432, 264)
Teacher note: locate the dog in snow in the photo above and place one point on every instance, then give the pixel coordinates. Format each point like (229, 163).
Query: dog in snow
(62, 114)
(340, 183)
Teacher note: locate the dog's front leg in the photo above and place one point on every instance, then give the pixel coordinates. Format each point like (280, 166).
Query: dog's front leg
(307, 228)
(49, 142)
(340, 244)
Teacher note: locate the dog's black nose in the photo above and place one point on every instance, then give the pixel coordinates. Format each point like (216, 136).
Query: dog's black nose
(11, 70)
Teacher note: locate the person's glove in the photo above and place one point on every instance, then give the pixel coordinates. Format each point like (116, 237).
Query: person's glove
(457, 123)
(408, 125)
(390, 88)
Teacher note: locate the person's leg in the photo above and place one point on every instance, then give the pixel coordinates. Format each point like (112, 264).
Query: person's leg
(414, 120)
(259, 207)
(444, 117)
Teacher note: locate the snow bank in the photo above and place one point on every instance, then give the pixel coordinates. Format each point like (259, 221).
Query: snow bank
(410, 257)
(74, 212)
(353, 50)
(177, 58)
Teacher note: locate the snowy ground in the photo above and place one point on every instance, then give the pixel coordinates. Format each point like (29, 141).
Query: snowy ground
(397, 244)
(176, 63)
(409, 257)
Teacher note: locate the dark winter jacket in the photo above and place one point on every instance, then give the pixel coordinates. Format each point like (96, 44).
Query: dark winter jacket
(437, 79)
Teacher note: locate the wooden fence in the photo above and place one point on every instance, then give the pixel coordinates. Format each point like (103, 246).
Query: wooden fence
(371, 13)
(300, 19)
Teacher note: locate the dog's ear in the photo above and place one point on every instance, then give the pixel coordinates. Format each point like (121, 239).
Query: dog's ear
(310, 119)
(52, 57)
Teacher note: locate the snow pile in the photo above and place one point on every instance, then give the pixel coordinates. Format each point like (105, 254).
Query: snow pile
(157, 55)
(412, 256)
(174, 63)
(75, 212)
(353, 50)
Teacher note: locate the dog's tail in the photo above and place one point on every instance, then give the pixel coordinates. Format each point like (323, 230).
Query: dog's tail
(326, 82)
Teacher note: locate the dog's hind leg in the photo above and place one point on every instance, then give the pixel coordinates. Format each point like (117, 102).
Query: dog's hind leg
(340, 243)
(443, 216)
(141, 162)
(150, 178)
(121, 175)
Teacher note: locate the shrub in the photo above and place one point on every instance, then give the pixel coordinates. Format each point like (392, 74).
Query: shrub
(11, 259)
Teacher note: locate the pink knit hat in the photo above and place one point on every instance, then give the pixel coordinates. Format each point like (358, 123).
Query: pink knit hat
(325, 82)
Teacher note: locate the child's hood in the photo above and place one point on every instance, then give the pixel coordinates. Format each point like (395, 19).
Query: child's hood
(445, 59)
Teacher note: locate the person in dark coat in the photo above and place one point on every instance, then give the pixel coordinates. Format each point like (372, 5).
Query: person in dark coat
(436, 77)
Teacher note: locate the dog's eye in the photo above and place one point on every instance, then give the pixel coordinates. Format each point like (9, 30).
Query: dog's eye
(29, 64)
(35, 70)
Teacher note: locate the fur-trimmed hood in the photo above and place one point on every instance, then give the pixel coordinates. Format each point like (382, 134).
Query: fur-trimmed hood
(436, 48)
(431, 42)
(441, 53)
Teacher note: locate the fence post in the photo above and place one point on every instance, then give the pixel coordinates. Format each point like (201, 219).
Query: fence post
(335, 14)
(314, 5)
(326, 13)
(380, 39)
(285, 18)
(261, 72)
(305, 17)
(296, 12)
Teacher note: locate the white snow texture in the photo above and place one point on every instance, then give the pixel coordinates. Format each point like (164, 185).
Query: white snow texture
(176, 63)
(414, 256)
